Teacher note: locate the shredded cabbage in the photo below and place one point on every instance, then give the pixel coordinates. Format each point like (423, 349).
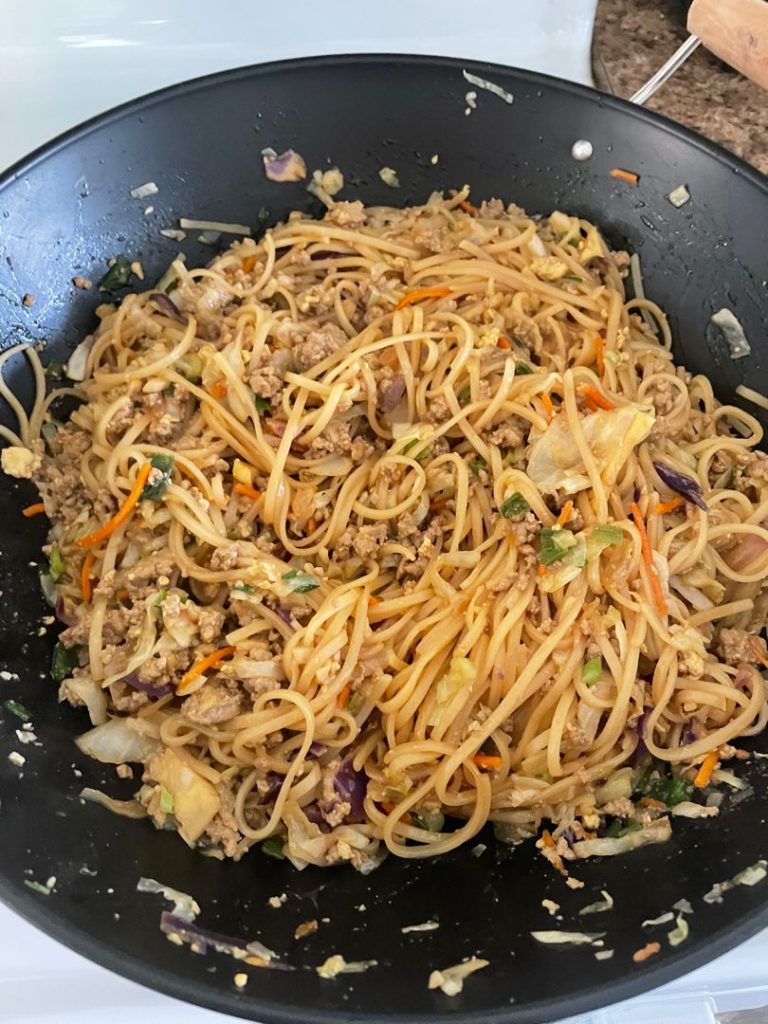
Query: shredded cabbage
(116, 741)
(555, 463)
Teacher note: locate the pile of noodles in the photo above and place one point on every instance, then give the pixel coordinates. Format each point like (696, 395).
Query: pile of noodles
(569, 521)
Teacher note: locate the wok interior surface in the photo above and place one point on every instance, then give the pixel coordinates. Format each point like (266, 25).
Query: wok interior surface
(65, 212)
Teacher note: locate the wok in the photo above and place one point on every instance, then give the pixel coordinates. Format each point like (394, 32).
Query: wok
(63, 212)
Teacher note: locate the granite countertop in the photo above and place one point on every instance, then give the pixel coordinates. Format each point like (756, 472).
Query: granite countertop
(632, 40)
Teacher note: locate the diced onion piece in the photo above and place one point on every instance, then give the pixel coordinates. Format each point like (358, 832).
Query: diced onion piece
(149, 188)
(752, 396)
(389, 176)
(733, 333)
(175, 233)
(537, 247)
(679, 196)
(658, 832)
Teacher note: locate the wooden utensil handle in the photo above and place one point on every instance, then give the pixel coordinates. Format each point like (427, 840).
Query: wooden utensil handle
(736, 31)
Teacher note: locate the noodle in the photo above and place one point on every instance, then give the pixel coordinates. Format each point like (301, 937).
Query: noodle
(405, 539)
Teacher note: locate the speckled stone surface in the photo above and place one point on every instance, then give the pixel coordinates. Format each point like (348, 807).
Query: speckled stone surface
(632, 40)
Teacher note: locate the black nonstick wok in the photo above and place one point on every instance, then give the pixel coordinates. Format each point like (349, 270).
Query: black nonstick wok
(64, 212)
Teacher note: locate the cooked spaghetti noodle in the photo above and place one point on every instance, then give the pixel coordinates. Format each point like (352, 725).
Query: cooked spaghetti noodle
(392, 524)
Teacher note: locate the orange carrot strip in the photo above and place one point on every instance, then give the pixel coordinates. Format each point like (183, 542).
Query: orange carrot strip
(649, 949)
(205, 663)
(373, 600)
(487, 761)
(33, 510)
(92, 540)
(465, 204)
(600, 355)
(669, 506)
(596, 397)
(546, 838)
(549, 408)
(122, 595)
(503, 343)
(565, 513)
(628, 176)
(247, 490)
(653, 576)
(542, 569)
(434, 292)
(85, 577)
(249, 263)
(218, 389)
(704, 774)
(343, 696)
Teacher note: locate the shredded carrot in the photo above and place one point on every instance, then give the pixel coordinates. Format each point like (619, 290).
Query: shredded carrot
(465, 204)
(503, 343)
(649, 949)
(600, 355)
(218, 388)
(653, 576)
(669, 506)
(487, 761)
(704, 774)
(373, 600)
(249, 263)
(343, 696)
(122, 595)
(628, 176)
(205, 663)
(434, 292)
(549, 408)
(565, 513)
(247, 490)
(33, 510)
(546, 838)
(311, 524)
(85, 577)
(542, 569)
(92, 540)
(595, 397)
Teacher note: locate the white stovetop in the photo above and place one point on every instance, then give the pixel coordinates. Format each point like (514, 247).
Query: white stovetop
(63, 62)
